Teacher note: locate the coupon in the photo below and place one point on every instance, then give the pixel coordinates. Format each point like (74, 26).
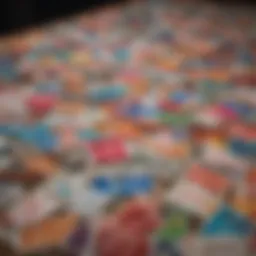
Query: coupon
(225, 246)
(48, 233)
(191, 197)
(33, 208)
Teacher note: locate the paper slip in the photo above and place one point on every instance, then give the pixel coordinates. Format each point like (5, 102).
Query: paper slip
(10, 193)
(49, 233)
(191, 197)
(219, 157)
(223, 247)
(207, 179)
(89, 203)
(33, 208)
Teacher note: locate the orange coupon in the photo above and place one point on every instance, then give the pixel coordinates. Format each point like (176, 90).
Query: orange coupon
(124, 129)
(169, 64)
(48, 61)
(196, 74)
(50, 232)
(218, 75)
(66, 107)
(243, 205)
(74, 83)
(41, 164)
(139, 88)
(251, 178)
(246, 206)
(167, 149)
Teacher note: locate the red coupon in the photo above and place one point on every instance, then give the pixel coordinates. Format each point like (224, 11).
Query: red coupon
(251, 181)
(140, 214)
(127, 233)
(108, 150)
(113, 239)
(41, 104)
(227, 114)
(244, 131)
(169, 106)
(209, 180)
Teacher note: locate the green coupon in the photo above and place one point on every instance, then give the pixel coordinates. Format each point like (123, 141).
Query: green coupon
(175, 227)
(210, 90)
(176, 119)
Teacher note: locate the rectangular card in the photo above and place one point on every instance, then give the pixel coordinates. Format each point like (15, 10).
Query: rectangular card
(200, 246)
(41, 164)
(33, 207)
(50, 232)
(191, 197)
(220, 158)
(207, 179)
(89, 203)
(223, 247)
(9, 193)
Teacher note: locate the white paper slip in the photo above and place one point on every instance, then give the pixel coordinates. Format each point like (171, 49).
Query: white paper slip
(217, 157)
(88, 203)
(192, 197)
(223, 247)
(191, 245)
(63, 185)
(9, 194)
(34, 207)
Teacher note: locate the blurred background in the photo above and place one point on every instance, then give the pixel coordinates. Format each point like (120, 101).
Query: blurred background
(19, 14)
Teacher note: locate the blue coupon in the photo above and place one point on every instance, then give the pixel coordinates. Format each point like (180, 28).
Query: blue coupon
(107, 93)
(227, 222)
(123, 186)
(40, 136)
